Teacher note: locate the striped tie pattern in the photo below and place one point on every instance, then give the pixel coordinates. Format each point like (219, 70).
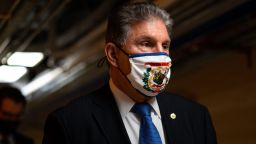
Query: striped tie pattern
(148, 131)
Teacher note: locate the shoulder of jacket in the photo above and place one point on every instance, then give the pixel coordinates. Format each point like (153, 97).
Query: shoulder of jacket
(78, 105)
(182, 102)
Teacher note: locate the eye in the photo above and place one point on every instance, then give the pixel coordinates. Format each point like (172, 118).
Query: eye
(166, 46)
(146, 44)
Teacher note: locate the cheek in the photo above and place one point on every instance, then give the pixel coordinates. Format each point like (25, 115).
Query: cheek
(124, 64)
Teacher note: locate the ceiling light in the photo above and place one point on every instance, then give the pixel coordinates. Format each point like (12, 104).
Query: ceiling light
(45, 78)
(27, 59)
(10, 74)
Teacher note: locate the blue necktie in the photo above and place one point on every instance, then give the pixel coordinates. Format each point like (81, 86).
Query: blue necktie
(148, 131)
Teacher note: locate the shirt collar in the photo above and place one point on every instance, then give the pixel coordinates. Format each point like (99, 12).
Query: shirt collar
(125, 103)
(154, 104)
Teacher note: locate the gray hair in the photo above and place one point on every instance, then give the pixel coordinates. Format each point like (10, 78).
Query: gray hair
(121, 20)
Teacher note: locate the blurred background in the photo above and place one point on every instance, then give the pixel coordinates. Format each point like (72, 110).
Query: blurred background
(50, 50)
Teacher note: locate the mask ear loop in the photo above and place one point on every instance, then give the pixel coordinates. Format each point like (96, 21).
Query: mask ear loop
(103, 60)
(119, 67)
(123, 51)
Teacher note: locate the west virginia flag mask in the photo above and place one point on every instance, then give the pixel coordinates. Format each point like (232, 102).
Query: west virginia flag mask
(150, 72)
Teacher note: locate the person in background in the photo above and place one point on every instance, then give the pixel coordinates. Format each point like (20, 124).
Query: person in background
(12, 105)
(133, 108)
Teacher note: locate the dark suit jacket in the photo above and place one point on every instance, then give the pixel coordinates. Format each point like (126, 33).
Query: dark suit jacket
(95, 119)
(21, 139)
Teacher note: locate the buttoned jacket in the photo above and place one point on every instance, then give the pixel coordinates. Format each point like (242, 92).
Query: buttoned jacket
(95, 119)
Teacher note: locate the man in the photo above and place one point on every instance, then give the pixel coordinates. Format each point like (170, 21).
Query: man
(12, 105)
(133, 108)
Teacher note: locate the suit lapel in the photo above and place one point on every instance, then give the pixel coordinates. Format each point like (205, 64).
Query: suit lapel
(166, 107)
(108, 117)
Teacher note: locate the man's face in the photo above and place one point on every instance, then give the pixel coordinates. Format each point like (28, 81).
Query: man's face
(145, 37)
(11, 110)
(10, 114)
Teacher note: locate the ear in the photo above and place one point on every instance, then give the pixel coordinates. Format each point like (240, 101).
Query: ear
(111, 53)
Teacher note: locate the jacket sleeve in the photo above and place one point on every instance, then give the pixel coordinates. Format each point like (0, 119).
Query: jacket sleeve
(210, 134)
(54, 131)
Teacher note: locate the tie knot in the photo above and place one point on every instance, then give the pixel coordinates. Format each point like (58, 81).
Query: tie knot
(143, 109)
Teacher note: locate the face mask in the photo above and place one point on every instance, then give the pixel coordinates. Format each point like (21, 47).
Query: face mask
(150, 72)
(7, 127)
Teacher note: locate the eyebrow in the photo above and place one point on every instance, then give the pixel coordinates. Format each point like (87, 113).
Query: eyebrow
(146, 37)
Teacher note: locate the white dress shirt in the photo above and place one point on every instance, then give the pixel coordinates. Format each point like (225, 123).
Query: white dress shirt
(130, 120)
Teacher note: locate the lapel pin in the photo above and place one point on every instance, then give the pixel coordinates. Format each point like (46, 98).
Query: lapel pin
(173, 116)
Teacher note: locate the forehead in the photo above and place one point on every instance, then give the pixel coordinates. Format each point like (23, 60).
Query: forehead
(154, 28)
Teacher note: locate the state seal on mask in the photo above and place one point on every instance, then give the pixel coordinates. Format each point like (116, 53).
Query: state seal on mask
(155, 78)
